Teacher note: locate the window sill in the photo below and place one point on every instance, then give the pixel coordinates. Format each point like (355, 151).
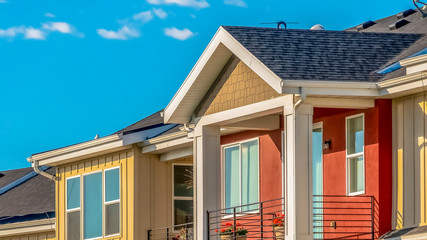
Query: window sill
(356, 194)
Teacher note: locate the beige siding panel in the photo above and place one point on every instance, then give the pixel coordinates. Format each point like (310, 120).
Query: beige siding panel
(36, 236)
(409, 158)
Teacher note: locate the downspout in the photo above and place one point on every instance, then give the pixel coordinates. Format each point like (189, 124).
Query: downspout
(301, 100)
(35, 165)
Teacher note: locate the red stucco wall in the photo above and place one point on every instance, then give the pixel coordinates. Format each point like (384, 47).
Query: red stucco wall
(270, 165)
(378, 161)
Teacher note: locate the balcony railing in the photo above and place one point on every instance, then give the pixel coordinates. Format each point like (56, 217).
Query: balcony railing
(256, 218)
(176, 232)
(345, 217)
(334, 217)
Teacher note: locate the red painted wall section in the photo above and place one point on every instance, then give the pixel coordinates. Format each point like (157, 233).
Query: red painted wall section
(378, 159)
(270, 165)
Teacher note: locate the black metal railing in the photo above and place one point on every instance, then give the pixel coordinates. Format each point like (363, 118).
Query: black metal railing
(344, 217)
(334, 217)
(176, 232)
(255, 218)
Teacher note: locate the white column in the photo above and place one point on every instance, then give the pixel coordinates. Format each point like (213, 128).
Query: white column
(298, 172)
(207, 177)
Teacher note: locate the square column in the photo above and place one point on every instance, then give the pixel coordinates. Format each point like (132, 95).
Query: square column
(298, 126)
(207, 176)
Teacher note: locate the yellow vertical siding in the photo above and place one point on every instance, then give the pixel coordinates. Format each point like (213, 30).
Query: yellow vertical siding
(410, 119)
(123, 159)
(36, 236)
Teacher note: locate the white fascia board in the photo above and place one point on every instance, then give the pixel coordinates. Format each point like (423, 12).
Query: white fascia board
(29, 227)
(222, 37)
(414, 61)
(95, 147)
(255, 110)
(330, 88)
(167, 145)
(112, 139)
(329, 102)
(176, 154)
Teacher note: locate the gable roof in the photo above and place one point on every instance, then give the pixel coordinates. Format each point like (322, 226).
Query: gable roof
(30, 200)
(323, 55)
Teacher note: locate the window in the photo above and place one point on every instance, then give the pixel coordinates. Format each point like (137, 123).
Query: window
(99, 214)
(355, 154)
(241, 175)
(182, 193)
(73, 208)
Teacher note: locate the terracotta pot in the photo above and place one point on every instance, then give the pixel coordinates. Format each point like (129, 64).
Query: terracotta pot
(230, 237)
(279, 232)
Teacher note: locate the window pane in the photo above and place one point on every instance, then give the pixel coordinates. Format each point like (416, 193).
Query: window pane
(183, 183)
(73, 223)
(73, 193)
(112, 181)
(112, 219)
(183, 211)
(250, 174)
(356, 174)
(232, 177)
(92, 205)
(355, 136)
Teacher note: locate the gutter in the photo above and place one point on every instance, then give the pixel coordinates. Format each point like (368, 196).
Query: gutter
(35, 165)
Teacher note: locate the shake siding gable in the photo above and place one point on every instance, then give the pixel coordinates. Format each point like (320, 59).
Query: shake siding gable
(236, 86)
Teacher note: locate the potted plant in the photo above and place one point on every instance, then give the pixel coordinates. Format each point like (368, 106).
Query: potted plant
(228, 232)
(278, 227)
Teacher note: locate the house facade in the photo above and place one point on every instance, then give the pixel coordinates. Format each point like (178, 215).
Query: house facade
(322, 130)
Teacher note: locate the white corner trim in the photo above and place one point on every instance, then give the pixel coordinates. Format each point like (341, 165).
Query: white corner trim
(27, 227)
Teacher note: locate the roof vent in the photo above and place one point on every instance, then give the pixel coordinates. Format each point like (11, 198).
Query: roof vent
(365, 25)
(406, 13)
(398, 24)
(1, 175)
(317, 27)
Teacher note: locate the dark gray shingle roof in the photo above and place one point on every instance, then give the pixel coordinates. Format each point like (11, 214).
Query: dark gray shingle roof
(323, 55)
(33, 197)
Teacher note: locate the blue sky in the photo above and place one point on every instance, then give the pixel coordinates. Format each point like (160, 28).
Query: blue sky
(72, 69)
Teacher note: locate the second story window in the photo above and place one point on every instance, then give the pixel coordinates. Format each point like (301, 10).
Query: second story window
(241, 175)
(93, 205)
(355, 154)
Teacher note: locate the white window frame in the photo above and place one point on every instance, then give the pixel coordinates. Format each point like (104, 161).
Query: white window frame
(173, 190)
(238, 143)
(73, 209)
(81, 208)
(354, 155)
(104, 206)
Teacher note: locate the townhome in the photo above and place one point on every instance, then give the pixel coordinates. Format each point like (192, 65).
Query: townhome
(300, 122)
(310, 134)
(122, 185)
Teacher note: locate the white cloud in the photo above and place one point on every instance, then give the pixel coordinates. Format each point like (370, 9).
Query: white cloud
(184, 3)
(49, 15)
(143, 16)
(61, 27)
(3, 1)
(237, 3)
(34, 33)
(11, 32)
(123, 33)
(160, 13)
(183, 34)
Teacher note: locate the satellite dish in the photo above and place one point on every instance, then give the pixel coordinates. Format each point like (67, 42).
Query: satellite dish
(317, 27)
(421, 6)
